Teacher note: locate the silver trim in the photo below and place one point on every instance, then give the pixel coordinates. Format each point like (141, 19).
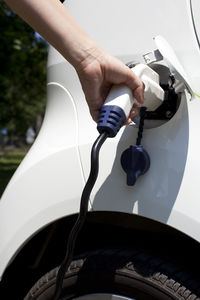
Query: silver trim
(103, 297)
(152, 56)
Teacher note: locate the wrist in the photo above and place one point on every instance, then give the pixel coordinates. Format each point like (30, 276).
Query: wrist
(87, 56)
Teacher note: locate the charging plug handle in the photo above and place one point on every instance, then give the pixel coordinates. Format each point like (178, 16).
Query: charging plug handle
(120, 100)
(111, 119)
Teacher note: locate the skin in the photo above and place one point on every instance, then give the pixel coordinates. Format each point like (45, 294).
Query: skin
(97, 70)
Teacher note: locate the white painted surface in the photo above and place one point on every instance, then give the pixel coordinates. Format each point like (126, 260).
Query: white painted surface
(195, 6)
(49, 182)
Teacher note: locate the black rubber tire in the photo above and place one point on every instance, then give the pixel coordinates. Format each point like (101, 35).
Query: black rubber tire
(131, 273)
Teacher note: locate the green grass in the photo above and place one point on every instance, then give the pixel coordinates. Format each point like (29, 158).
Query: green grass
(8, 164)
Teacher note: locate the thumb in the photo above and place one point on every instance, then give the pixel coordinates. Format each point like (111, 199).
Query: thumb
(136, 85)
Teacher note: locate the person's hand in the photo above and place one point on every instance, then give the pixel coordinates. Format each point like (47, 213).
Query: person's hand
(98, 72)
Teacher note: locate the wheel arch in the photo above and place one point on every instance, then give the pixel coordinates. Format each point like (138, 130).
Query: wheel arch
(102, 228)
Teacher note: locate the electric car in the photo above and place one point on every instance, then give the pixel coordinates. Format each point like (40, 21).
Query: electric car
(139, 241)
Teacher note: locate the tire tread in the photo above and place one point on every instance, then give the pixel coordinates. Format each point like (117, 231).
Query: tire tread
(157, 271)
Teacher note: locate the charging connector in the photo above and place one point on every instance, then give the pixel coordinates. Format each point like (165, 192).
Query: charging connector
(120, 100)
(82, 213)
(112, 116)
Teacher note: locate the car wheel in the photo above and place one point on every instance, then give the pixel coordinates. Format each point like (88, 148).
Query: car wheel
(120, 274)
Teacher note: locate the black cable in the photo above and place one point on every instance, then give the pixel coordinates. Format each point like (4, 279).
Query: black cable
(82, 213)
(141, 125)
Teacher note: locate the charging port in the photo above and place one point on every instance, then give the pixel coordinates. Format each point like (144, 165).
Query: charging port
(171, 102)
(169, 106)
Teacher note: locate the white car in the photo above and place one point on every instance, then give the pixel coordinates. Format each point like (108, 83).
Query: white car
(140, 241)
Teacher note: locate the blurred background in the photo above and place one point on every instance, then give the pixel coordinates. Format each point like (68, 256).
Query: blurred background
(23, 56)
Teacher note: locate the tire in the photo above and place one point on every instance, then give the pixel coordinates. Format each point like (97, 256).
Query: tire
(134, 274)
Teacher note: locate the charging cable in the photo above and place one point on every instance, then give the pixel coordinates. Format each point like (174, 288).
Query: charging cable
(111, 119)
(82, 214)
(112, 116)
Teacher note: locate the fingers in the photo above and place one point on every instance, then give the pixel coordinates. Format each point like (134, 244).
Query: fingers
(94, 114)
(134, 111)
(116, 72)
(138, 93)
(136, 85)
(98, 77)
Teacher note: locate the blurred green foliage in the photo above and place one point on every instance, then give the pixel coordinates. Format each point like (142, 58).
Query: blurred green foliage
(8, 164)
(22, 73)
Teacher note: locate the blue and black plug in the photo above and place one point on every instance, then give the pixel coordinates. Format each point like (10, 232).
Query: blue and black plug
(135, 160)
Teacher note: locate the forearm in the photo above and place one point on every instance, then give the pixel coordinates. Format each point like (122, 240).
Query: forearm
(97, 70)
(52, 20)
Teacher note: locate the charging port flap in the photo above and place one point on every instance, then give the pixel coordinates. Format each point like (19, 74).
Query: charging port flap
(172, 61)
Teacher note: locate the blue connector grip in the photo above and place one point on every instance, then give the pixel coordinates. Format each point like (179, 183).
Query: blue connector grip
(111, 119)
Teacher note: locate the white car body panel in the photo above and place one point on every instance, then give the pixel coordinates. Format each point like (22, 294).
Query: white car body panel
(49, 182)
(195, 6)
